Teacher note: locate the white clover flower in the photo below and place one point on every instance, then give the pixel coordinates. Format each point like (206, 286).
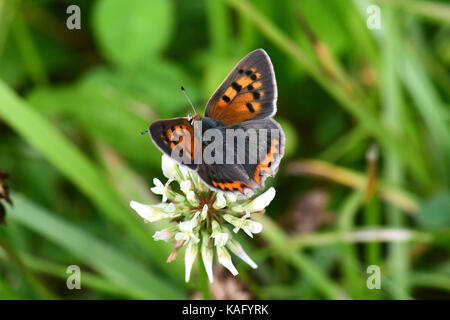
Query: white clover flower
(150, 213)
(220, 238)
(262, 201)
(244, 223)
(192, 198)
(185, 186)
(220, 201)
(184, 172)
(225, 260)
(164, 234)
(169, 167)
(207, 256)
(237, 249)
(189, 258)
(204, 213)
(231, 197)
(187, 230)
(161, 189)
(201, 219)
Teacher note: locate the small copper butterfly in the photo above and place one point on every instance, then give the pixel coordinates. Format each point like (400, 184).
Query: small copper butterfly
(245, 102)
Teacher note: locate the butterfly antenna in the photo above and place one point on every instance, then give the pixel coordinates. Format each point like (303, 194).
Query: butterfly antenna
(144, 132)
(187, 97)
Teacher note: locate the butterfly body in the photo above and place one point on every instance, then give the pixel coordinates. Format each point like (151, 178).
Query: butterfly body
(237, 144)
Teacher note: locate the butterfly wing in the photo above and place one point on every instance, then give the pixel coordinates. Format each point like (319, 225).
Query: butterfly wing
(269, 149)
(225, 177)
(255, 157)
(248, 92)
(176, 138)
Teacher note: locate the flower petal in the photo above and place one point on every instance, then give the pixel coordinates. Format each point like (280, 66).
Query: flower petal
(220, 239)
(170, 208)
(225, 260)
(185, 186)
(182, 236)
(253, 226)
(150, 213)
(262, 201)
(207, 256)
(189, 258)
(204, 213)
(220, 201)
(237, 249)
(169, 167)
(192, 199)
(164, 234)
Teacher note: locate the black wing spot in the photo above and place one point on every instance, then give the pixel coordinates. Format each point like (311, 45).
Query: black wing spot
(226, 98)
(250, 107)
(165, 135)
(236, 86)
(253, 77)
(256, 95)
(249, 87)
(241, 71)
(248, 72)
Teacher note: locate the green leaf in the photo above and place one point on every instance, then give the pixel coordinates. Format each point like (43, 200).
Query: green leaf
(434, 213)
(105, 114)
(129, 31)
(154, 83)
(116, 266)
(431, 109)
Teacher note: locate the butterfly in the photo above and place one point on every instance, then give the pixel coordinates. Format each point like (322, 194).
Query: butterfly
(245, 102)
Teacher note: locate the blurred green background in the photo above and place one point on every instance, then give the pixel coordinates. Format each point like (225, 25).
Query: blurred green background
(364, 181)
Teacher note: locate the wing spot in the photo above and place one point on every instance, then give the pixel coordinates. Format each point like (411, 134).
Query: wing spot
(241, 71)
(257, 85)
(250, 107)
(236, 86)
(256, 95)
(248, 72)
(249, 87)
(253, 77)
(226, 98)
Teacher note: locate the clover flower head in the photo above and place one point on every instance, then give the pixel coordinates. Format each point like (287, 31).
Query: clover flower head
(201, 219)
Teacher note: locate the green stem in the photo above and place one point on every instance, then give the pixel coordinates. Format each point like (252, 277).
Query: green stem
(393, 105)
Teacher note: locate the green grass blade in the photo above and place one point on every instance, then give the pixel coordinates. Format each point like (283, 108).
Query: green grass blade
(38, 132)
(118, 267)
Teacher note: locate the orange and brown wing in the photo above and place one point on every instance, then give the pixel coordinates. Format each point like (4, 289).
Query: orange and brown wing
(248, 172)
(175, 137)
(268, 150)
(225, 177)
(248, 92)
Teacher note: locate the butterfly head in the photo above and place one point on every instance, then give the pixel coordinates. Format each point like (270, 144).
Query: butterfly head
(194, 117)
